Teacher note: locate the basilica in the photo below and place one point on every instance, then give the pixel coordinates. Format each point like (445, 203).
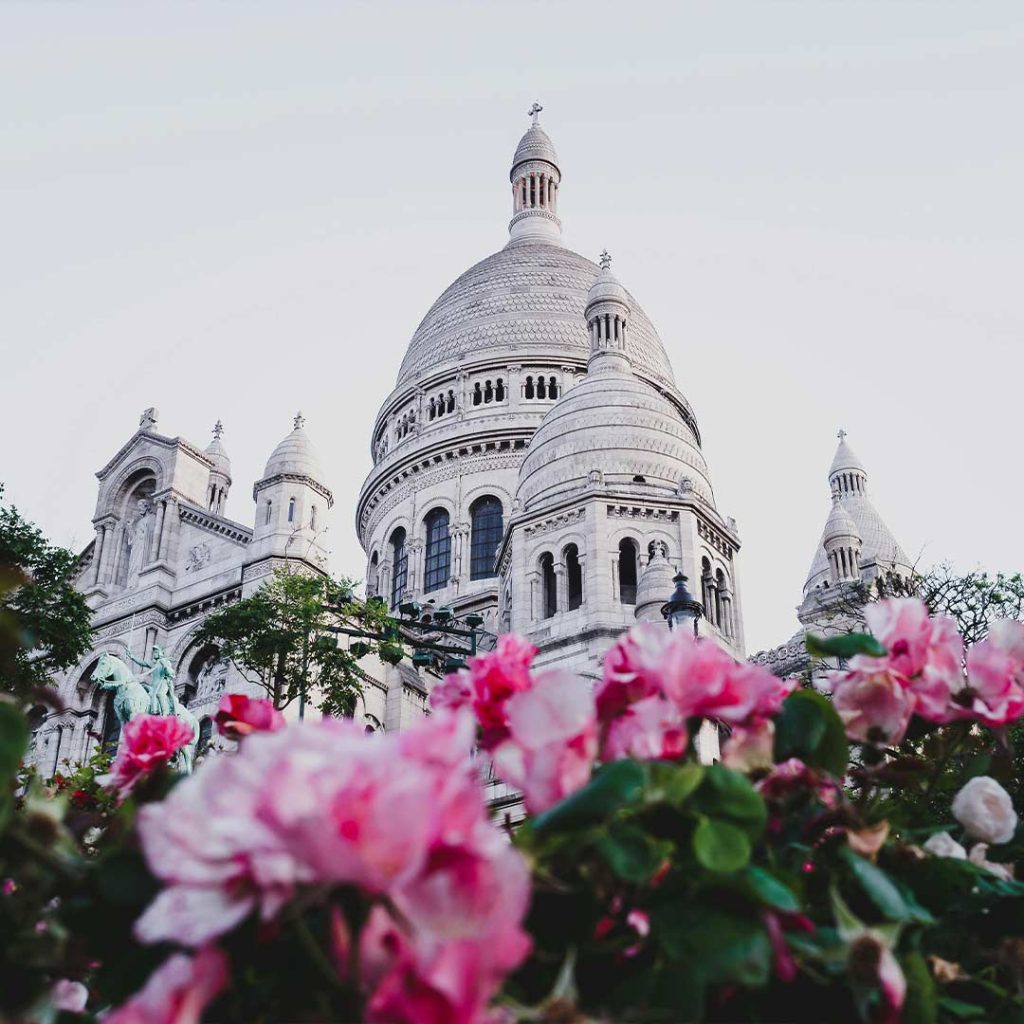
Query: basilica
(535, 465)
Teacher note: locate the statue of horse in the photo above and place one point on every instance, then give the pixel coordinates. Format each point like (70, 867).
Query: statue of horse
(131, 697)
(185, 757)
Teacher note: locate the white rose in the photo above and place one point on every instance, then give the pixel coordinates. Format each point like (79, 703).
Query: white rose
(984, 808)
(1003, 871)
(942, 844)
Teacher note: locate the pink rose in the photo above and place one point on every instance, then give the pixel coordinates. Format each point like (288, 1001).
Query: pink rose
(177, 992)
(925, 654)
(698, 676)
(650, 729)
(750, 749)
(875, 706)
(239, 715)
(147, 742)
(552, 739)
(69, 996)
(487, 684)
(995, 674)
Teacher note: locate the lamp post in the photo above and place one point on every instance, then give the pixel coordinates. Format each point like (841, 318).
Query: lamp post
(682, 607)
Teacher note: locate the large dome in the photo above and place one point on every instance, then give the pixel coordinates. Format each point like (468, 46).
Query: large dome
(524, 302)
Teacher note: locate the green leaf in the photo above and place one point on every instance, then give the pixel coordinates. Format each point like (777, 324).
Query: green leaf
(630, 852)
(809, 728)
(13, 740)
(961, 1010)
(681, 781)
(768, 889)
(844, 645)
(726, 946)
(879, 887)
(921, 1005)
(725, 794)
(720, 846)
(613, 786)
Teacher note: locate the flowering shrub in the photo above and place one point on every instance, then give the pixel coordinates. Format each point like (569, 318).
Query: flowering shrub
(852, 857)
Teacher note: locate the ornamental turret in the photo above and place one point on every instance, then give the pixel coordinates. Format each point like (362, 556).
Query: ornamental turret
(607, 312)
(291, 500)
(842, 542)
(220, 475)
(536, 179)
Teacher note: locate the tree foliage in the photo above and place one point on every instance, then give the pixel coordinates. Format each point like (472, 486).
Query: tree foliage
(284, 638)
(43, 617)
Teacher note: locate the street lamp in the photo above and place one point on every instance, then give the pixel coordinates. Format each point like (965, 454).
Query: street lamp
(682, 607)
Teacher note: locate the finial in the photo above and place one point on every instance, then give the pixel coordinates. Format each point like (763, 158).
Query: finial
(606, 260)
(218, 429)
(147, 421)
(534, 111)
(299, 421)
(842, 436)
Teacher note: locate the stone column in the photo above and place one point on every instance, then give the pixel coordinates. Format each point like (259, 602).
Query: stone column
(534, 616)
(147, 646)
(414, 581)
(581, 556)
(158, 533)
(561, 589)
(97, 554)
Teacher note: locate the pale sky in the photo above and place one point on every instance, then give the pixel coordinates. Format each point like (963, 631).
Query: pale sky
(237, 210)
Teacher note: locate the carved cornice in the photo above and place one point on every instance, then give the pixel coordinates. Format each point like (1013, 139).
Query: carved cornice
(663, 515)
(715, 538)
(215, 524)
(299, 478)
(567, 518)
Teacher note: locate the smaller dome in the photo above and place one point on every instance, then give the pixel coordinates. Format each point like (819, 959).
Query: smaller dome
(840, 524)
(606, 287)
(294, 456)
(536, 144)
(845, 460)
(216, 452)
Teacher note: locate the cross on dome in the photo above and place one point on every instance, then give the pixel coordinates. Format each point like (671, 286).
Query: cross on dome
(534, 111)
(299, 421)
(841, 435)
(605, 259)
(218, 429)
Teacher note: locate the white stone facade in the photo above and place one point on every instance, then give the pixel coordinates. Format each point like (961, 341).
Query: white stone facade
(593, 471)
(165, 556)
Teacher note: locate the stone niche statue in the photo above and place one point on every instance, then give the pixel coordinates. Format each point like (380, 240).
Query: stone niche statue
(138, 532)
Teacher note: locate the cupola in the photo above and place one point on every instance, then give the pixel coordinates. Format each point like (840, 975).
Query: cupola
(220, 475)
(535, 179)
(842, 542)
(607, 313)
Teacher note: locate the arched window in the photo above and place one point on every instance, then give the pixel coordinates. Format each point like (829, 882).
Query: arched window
(552, 388)
(270, 505)
(486, 516)
(488, 392)
(528, 390)
(627, 570)
(371, 576)
(433, 408)
(451, 401)
(477, 394)
(499, 391)
(549, 584)
(205, 735)
(291, 510)
(542, 391)
(399, 566)
(438, 562)
(573, 577)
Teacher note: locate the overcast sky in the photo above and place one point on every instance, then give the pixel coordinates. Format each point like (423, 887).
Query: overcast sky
(238, 210)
